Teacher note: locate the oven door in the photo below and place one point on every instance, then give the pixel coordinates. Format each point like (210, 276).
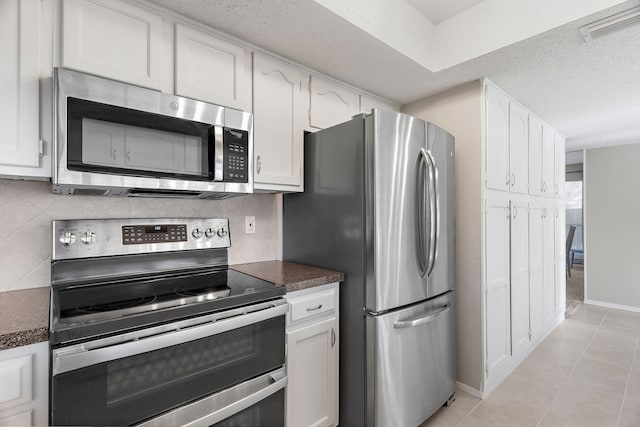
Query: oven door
(136, 377)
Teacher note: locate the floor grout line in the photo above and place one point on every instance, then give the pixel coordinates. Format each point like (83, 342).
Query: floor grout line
(469, 413)
(626, 388)
(546, 411)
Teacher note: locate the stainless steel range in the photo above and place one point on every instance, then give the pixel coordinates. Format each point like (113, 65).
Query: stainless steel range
(150, 327)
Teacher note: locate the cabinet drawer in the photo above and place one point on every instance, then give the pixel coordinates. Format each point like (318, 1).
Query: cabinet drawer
(15, 377)
(312, 304)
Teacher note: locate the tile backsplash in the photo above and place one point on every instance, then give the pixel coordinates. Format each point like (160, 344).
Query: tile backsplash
(28, 207)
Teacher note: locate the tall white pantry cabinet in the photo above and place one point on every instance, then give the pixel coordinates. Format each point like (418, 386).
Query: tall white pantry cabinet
(510, 228)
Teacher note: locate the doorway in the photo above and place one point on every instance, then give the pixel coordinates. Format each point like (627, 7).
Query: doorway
(574, 245)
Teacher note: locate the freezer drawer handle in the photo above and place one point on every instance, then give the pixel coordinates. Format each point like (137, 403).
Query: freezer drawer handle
(421, 320)
(317, 307)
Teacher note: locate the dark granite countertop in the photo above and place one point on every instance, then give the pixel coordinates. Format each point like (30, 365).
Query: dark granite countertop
(24, 317)
(290, 275)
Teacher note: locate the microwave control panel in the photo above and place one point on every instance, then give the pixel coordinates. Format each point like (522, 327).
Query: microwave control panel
(236, 155)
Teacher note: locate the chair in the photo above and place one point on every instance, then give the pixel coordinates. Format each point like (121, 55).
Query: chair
(570, 234)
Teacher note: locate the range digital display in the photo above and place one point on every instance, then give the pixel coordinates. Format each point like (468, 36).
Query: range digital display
(163, 233)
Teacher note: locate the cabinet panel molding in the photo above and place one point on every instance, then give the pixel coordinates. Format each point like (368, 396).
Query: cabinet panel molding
(211, 69)
(114, 39)
(330, 104)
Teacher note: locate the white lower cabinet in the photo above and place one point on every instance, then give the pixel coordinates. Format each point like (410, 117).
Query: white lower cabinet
(312, 340)
(498, 345)
(520, 333)
(24, 379)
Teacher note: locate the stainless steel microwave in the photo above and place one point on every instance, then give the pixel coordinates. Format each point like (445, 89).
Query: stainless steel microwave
(112, 138)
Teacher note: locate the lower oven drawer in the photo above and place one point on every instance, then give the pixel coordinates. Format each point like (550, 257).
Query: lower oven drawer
(257, 402)
(105, 383)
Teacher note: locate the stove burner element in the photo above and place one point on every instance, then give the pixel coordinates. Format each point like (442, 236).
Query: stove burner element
(94, 307)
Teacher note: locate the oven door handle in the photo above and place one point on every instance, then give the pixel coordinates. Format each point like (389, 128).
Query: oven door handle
(92, 353)
(224, 404)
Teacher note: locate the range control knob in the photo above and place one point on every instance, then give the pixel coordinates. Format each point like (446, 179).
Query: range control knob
(210, 232)
(67, 238)
(197, 232)
(222, 232)
(88, 237)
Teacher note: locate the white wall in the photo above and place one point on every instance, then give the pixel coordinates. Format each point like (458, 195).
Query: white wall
(459, 112)
(612, 231)
(27, 208)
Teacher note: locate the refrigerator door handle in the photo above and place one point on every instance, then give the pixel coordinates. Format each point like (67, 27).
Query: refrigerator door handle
(421, 212)
(433, 210)
(402, 324)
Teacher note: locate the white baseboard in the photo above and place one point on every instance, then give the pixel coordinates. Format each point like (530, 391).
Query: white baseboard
(468, 389)
(611, 305)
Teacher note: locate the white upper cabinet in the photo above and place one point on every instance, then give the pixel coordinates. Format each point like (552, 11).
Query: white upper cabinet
(20, 73)
(548, 162)
(497, 140)
(535, 156)
(518, 148)
(330, 104)
(114, 39)
(368, 103)
(212, 70)
(278, 123)
(559, 166)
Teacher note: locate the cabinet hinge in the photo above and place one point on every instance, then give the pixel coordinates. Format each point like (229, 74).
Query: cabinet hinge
(41, 146)
(529, 336)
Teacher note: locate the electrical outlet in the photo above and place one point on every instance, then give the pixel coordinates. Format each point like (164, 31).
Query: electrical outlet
(249, 224)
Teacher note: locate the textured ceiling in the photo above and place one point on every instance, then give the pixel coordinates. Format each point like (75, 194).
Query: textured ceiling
(438, 10)
(589, 91)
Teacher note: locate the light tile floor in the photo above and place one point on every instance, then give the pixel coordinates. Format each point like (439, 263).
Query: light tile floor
(586, 373)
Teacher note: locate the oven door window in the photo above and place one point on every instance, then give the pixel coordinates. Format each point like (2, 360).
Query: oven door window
(133, 389)
(109, 139)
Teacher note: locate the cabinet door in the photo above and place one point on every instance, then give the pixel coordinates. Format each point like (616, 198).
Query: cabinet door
(536, 271)
(211, 69)
(497, 311)
(113, 39)
(559, 166)
(367, 104)
(330, 104)
(519, 276)
(548, 161)
(535, 156)
(518, 149)
(560, 279)
(312, 365)
(19, 74)
(549, 262)
(497, 140)
(278, 122)
(103, 143)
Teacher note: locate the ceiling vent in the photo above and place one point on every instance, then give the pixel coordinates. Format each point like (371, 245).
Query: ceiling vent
(610, 24)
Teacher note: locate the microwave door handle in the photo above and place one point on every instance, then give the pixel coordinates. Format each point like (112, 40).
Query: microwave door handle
(218, 152)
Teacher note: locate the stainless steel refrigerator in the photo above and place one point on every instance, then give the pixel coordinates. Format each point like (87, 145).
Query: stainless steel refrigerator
(379, 205)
